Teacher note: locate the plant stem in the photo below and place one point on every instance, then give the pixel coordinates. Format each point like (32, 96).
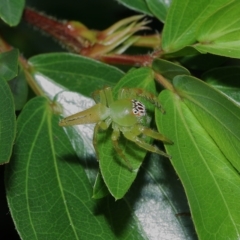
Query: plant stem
(133, 60)
(30, 80)
(58, 30)
(5, 47)
(164, 82)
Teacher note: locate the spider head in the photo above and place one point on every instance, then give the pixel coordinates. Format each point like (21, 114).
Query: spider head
(138, 108)
(127, 112)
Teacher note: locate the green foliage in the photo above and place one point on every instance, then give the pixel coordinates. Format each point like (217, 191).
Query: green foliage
(201, 119)
(9, 64)
(184, 20)
(217, 114)
(159, 8)
(168, 69)
(19, 88)
(55, 187)
(8, 70)
(43, 175)
(75, 73)
(11, 11)
(138, 5)
(218, 34)
(7, 122)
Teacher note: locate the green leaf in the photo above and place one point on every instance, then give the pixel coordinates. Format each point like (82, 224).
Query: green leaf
(7, 122)
(152, 197)
(226, 80)
(157, 195)
(117, 176)
(168, 69)
(11, 11)
(216, 113)
(72, 72)
(48, 192)
(159, 8)
(9, 64)
(100, 189)
(57, 72)
(137, 5)
(211, 183)
(159, 202)
(186, 51)
(19, 89)
(183, 20)
(219, 34)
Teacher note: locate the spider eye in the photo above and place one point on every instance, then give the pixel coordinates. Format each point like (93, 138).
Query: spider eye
(138, 108)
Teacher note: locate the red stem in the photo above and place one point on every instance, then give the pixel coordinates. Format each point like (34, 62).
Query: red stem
(133, 60)
(54, 28)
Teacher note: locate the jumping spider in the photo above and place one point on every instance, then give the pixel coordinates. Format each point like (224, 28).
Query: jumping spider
(124, 114)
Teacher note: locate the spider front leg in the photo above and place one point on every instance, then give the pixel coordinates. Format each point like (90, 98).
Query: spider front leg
(108, 95)
(115, 136)
(103, 96)
(153, 134)
(133, 134)
(99, 96)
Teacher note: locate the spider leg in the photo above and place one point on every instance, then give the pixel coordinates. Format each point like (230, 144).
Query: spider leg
(108, 95)
(123, 93)
(154, 134)
(133, 136)
(99, 96)
(104, 126)
(115, 137)
(138, 92)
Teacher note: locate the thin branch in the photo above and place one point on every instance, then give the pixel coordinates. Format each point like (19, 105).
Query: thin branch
(58, 30)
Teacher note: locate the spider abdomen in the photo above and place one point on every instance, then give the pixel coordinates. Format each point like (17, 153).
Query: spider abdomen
(123, 112)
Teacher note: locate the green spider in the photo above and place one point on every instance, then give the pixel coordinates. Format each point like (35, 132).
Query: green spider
(126, 115)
